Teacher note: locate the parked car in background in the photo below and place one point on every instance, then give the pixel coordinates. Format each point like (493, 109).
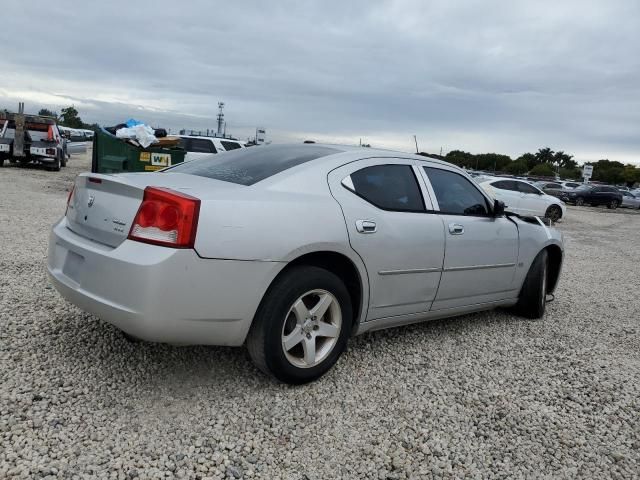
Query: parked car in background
(629, 200)
(350, 240)
(76, 140)
(570, 184)
(201, 147)
(594, 195)
(549, 187)
(524, 199)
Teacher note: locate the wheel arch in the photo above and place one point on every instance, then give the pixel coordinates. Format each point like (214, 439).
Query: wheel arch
(340, 265)
(554, 253)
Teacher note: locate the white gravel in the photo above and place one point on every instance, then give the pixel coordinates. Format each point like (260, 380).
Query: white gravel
(482, 396)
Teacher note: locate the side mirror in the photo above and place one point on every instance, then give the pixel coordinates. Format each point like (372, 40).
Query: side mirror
(498, 208)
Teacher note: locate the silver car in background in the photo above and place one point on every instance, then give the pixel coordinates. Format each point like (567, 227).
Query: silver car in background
(630, 200)
(290, 249)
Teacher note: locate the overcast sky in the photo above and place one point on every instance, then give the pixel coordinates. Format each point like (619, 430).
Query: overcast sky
(482, 76)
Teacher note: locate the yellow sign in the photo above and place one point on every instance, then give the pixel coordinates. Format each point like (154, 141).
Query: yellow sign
(145, 156)
(161, 159)
(151, 168)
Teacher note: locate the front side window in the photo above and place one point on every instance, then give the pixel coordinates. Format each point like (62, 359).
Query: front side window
(455, 194)
(389, 187)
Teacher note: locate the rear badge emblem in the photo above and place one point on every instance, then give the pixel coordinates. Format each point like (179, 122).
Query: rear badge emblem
(91, 200)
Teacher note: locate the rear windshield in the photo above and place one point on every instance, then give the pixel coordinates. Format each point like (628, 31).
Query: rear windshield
(247, 166)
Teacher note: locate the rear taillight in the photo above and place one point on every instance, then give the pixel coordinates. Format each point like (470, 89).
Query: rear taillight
(51, 151)
(73, 187)
(166, 218)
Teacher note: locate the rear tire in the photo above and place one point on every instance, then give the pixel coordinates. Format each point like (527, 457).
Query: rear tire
(63, 160)
(533, 296)
(286, 315)
(612, 205)
(553, 213)
(55, 166)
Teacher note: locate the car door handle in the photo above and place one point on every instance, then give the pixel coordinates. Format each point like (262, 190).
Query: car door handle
(366, 226)
(456, 229)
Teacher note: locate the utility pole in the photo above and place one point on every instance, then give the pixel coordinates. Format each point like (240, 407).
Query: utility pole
(416, 141)
(220, 117)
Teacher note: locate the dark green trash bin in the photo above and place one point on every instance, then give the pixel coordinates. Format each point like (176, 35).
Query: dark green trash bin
(114, 155)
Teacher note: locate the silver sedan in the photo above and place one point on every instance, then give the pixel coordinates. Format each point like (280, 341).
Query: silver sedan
(629, 200)
(291, 249)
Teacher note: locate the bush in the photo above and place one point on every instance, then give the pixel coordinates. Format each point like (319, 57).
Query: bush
(543, 170)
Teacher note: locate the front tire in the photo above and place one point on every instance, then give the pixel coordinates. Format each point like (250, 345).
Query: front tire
(302, 325)
(579, 201)
(533, 296)
(612, 205)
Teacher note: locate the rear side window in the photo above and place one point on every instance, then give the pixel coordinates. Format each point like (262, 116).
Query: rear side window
(505, 185)
(389, 187)
(197, 145)
(455, 194)
(247, 166)
(229, 145)
(526, 188)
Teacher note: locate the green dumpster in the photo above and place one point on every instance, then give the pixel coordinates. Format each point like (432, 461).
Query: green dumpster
(114, 155)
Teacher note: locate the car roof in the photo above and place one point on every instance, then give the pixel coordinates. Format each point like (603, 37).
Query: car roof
(204, 137)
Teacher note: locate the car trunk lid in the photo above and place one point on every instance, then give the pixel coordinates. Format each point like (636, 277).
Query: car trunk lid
(103, 207)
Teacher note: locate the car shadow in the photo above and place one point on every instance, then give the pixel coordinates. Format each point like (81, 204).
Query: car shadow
(164, 370)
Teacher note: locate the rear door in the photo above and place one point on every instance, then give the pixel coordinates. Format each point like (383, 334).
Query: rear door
(400, 243)
(481, 250)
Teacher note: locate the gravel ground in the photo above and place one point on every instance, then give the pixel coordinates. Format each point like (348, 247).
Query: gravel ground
(481, 396)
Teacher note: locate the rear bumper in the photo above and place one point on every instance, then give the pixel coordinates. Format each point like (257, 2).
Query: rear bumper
(159, 294)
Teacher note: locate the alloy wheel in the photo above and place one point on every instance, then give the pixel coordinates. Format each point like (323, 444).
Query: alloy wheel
(554, 213)
(311, 329)
(579, 202)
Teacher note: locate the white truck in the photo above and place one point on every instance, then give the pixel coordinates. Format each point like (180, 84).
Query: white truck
(31, 138)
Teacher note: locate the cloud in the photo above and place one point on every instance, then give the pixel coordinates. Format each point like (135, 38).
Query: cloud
(477, 75)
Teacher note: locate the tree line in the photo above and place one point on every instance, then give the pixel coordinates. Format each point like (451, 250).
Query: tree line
(68, 117)
(545, 163)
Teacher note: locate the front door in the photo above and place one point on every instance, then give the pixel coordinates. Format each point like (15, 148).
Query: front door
(401, 245)
(481, 251)
(533, 200)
